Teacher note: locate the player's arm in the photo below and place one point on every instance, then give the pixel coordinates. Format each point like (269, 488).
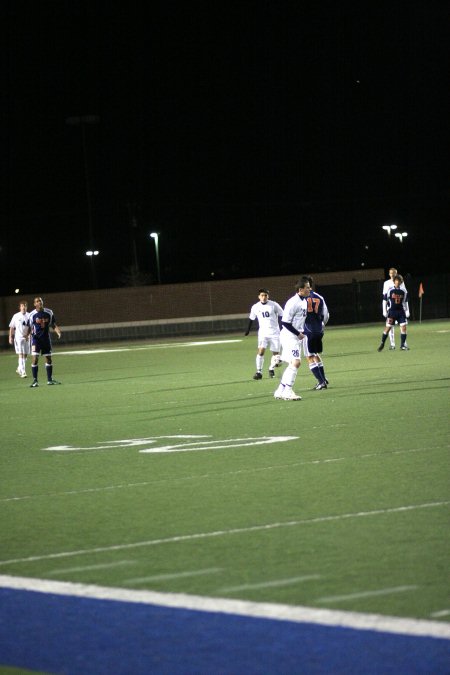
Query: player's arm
(57, 330)
(384, 305)
(288, 325)
(326, 313)
(11, 335)
(250, 323)
(406, 305)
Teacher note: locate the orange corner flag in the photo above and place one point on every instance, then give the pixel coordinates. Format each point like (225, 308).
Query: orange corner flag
(421, 291)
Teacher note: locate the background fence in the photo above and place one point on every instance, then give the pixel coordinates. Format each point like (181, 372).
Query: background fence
(211, 307)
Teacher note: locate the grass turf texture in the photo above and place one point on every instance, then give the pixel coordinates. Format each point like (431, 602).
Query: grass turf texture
(333, 498)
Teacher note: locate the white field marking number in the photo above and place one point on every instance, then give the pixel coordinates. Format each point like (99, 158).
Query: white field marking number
(184, 443)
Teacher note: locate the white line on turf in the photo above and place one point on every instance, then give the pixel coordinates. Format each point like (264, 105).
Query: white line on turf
(208, 476)
(224, 533)
(88, 568)
(442, 612)
(366, 594)
(270, 584)
(84, 352)
(299, 614)
(174, 575)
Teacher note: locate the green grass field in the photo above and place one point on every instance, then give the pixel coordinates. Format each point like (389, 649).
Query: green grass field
(346, 508)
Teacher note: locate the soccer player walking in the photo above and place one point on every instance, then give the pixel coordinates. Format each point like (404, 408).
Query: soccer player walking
(396, 308)
(291, 336)
(19, 336)
(41, 320)
(268, 313)
(316, 318)
(388, 284)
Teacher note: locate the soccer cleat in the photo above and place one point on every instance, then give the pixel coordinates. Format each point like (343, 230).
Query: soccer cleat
(381, 347)
(392, 347)
(279, 392)
(320, 385)
(35, 383)
(271, 372)
(53, 382)
(405, 348)
(257, 376)
(291, 396)
(24, 375)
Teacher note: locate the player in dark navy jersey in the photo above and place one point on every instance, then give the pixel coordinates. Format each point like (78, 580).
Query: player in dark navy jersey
(41, 320)
(316, 318)
(396, 303)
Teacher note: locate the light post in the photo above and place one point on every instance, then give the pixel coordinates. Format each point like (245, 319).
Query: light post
(155, 236)
(81, 121)
(400, 235)
(389, 228)
(91, 254)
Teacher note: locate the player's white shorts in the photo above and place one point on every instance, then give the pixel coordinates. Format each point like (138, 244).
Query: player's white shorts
(271, 342)
(22, 345)
(291, 346)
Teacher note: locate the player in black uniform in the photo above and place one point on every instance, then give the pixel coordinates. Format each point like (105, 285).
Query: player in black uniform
(41, 320)
(396, 300)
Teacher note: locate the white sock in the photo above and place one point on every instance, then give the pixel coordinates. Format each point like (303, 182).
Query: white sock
(392, 337)
(273, 361)
(289, 376)
(259, 362)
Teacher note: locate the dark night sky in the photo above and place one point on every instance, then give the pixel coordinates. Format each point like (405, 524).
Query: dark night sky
(258, 138)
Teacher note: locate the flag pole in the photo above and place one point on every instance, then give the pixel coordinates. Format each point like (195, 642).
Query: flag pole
(421, 293)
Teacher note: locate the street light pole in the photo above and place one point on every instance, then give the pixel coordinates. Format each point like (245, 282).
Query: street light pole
(401, 235)
(155, 236)
(389, 228)
(81, 121)
(91, 255)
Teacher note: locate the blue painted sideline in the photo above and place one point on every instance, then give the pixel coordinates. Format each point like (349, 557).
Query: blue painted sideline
(85, 636)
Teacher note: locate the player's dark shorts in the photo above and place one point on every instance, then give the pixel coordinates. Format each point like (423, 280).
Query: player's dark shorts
(398, 316)
(41, 346)
(315, 345)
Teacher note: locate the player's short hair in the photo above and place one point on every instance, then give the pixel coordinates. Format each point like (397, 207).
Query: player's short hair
(399, 277)
(301, 283)
(263, 290)
(392, 269)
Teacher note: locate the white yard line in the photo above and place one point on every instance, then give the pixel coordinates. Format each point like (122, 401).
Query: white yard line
(84, 352)
(208, 476)
(270, 584)
(174, 575)
(442, 612)
(88, 568)
(366, 594)
(323, 617)
(223, 533)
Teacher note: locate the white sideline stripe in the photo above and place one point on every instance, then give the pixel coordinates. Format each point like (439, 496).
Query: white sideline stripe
(88, 568)
(270, 584)
(174, 575)
(221, 533)
(217, 475)
(442, 612)
(278, 612)
(81, 352)
(366, 594)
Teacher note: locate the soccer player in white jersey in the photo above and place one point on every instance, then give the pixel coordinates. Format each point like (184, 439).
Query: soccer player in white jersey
(19, 336)
(388, 284)
(291, 336)
(268, 313)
